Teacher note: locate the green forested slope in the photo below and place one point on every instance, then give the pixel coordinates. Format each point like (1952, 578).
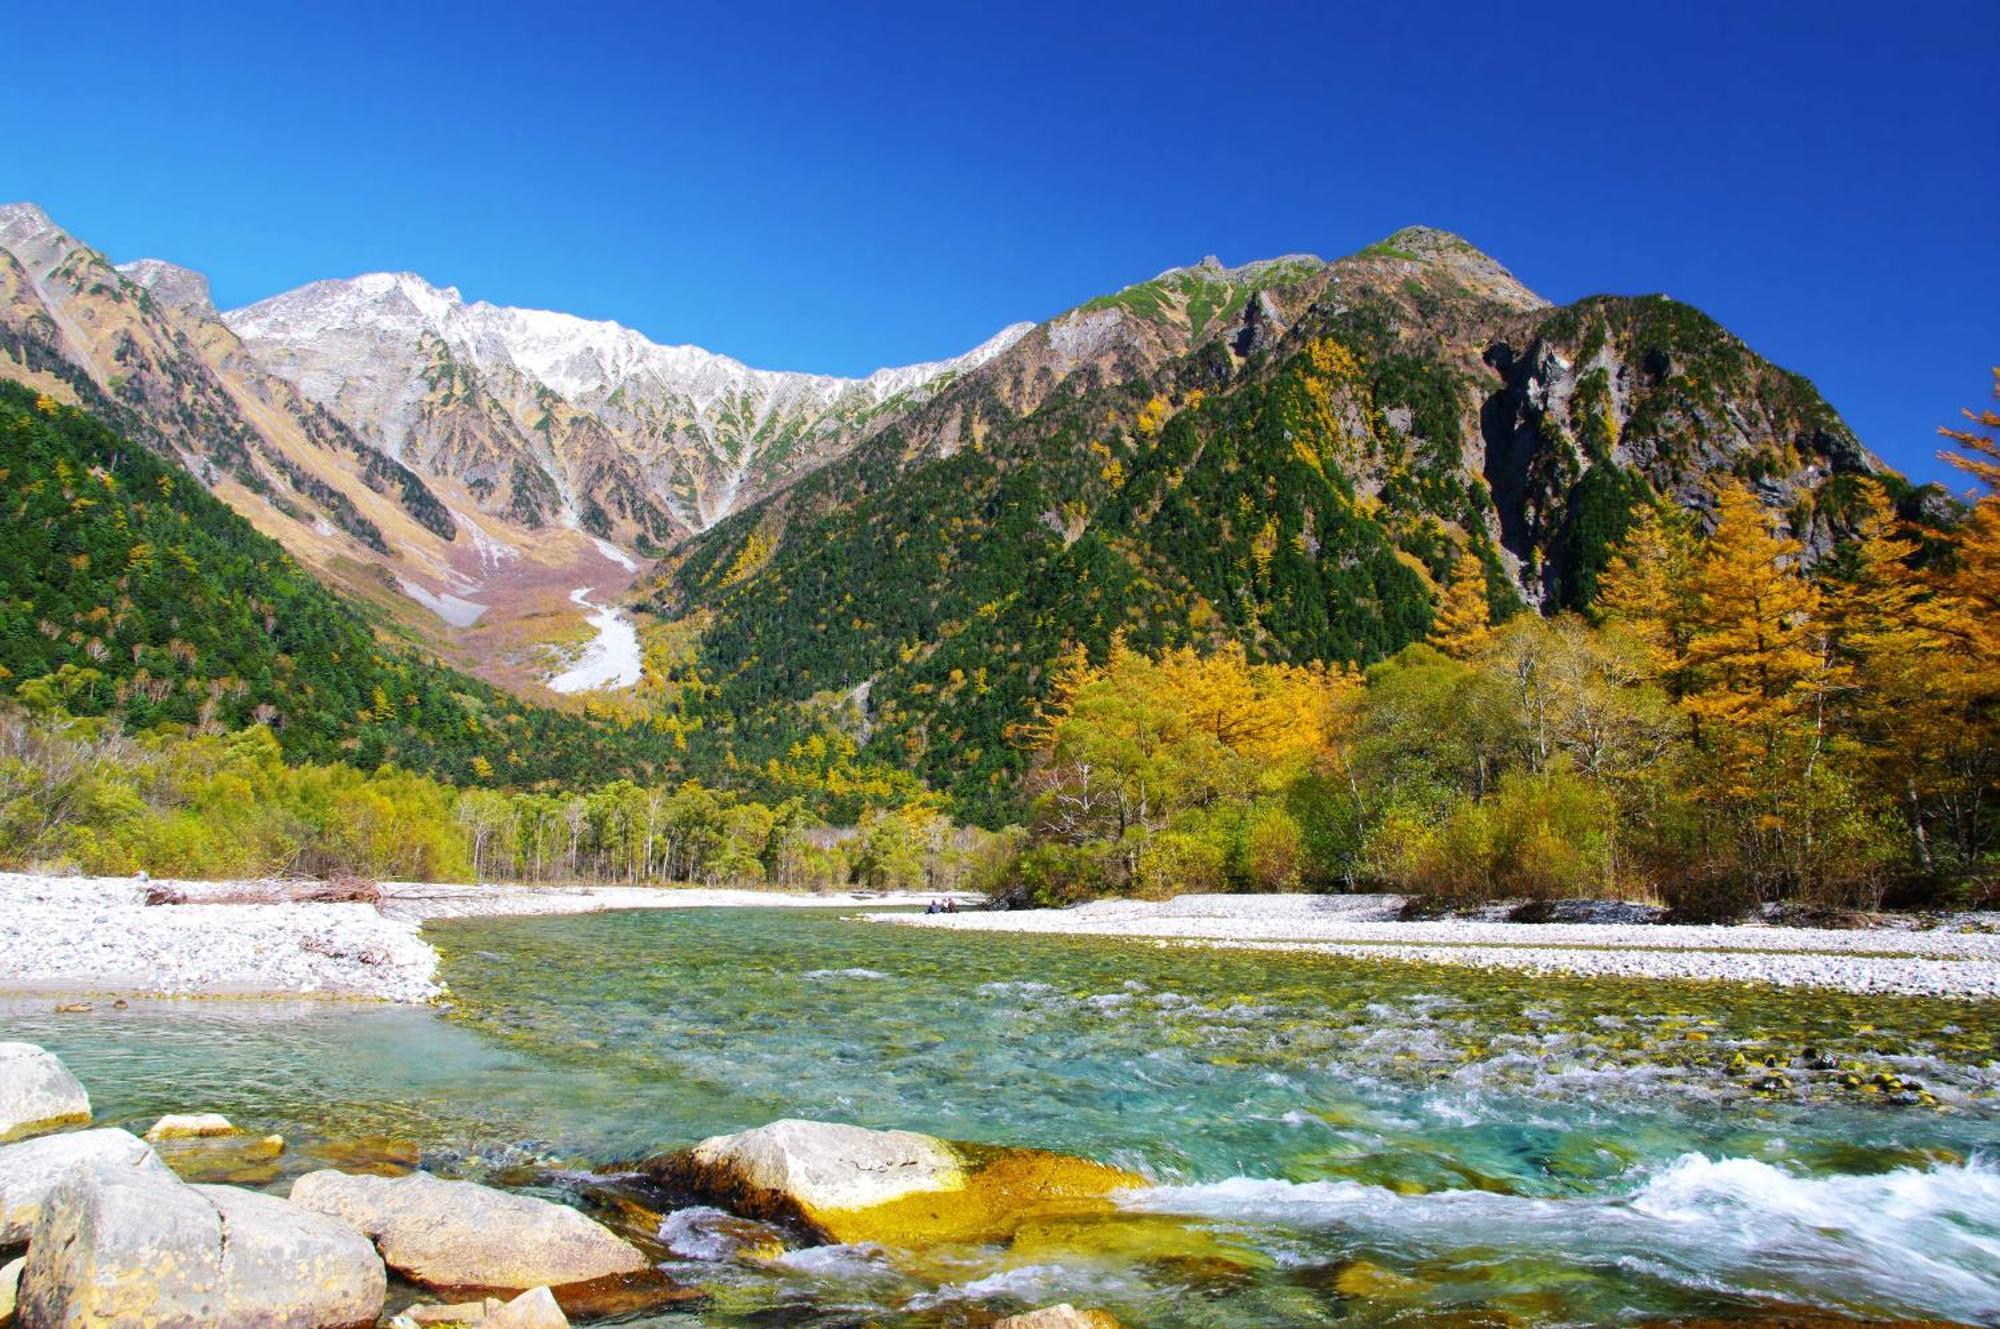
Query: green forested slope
(1304, 492)
(126, 589)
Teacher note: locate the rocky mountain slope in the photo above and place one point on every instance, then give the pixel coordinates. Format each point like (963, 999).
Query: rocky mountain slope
(1291, 455)
(129, 592)
(467, 469)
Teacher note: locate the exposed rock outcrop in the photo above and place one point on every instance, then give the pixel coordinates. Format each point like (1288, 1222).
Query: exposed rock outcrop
(533, 1309)
(190, 1126)
(844, 1183)
(37, 1093)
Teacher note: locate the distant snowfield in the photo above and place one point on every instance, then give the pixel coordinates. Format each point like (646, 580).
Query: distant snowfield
(612, 660)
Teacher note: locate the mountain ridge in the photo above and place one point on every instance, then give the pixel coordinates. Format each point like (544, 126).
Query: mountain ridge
(1289, 453)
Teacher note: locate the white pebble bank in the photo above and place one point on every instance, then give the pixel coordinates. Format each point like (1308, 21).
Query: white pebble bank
(91, 935)
(1937, 962)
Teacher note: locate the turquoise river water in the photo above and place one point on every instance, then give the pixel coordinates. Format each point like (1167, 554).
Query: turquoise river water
(1330, 1140)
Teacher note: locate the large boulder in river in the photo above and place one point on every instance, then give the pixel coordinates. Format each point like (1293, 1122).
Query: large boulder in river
(123, 1245)
(469, 1240)
(847, 1184)
(37, 1093)
(31, 1169)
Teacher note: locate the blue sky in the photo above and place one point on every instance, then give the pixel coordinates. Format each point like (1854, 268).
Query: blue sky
(843, 186)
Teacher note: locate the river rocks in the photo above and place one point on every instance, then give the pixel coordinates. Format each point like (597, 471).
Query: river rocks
(533, 1309)
(846, 1184)
(467, 1239)
(285, 1265)
(205, 1146)
(10, 1286)
(191, 1126)
(37, 1093)
(31, 1170)
(124, 1245)
(1063, 1316)
(536, 1308)
(1365, 1280)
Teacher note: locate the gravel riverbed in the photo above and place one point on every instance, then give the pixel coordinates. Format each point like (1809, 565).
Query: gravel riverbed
(1960, 960)
(97, 935)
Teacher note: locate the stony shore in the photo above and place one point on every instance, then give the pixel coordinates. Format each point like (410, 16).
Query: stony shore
(107, 1228)
(1955, 961)
(97, 935)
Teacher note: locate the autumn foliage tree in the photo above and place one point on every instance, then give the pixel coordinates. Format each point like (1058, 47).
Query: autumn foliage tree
(1464, 625)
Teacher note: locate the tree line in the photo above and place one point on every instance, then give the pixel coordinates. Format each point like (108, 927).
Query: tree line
(79, 791)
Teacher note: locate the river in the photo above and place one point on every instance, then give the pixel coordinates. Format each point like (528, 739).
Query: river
(1331, 1139)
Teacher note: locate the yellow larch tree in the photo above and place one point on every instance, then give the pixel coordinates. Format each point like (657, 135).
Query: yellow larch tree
(1648, 588)
(1463, 627)
(1898, 659)
(1975, 582)
(1751, 653)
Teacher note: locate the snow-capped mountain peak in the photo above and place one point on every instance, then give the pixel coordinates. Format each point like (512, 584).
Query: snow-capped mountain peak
(628, 432)
(580, 359)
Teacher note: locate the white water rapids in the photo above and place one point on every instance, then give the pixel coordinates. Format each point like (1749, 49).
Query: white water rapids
(1733, 1224)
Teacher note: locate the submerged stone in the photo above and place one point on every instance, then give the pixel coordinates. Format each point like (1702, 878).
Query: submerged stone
(1152, 1239)
(239, 1159)
(1366, 1280)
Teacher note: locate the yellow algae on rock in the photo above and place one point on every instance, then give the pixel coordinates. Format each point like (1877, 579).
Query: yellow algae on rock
(1365, 1279)
(896, 1188)
(1123, 1238)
